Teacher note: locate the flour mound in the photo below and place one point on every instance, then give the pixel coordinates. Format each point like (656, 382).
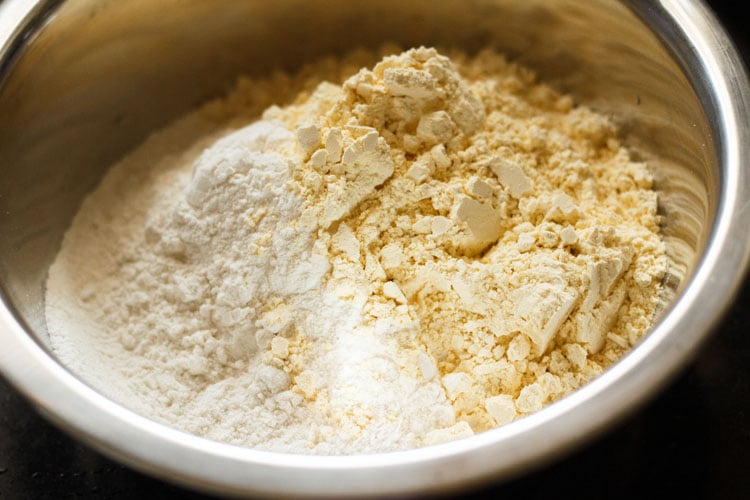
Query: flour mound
(432, 248)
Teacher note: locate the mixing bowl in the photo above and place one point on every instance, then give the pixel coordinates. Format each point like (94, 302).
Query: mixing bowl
(82, 82)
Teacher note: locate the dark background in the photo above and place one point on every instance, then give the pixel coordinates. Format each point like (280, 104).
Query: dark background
(693, 440)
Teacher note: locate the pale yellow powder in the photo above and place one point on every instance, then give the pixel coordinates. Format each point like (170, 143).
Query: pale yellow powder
(510, 227)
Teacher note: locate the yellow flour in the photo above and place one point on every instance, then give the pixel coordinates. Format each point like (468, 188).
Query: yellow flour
(509, 226)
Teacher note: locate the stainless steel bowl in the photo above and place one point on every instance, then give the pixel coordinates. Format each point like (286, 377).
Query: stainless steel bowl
(82, 82)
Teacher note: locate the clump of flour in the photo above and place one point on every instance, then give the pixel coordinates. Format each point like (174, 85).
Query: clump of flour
(430, 249)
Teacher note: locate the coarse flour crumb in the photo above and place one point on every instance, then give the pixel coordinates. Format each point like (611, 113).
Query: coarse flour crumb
(432, 248)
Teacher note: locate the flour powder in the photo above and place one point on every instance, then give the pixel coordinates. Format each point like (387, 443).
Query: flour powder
(432, 248)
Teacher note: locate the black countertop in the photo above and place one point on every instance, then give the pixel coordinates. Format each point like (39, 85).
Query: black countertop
(692, 440)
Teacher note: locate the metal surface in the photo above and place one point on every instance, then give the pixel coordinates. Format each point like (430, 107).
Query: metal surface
(82, 82)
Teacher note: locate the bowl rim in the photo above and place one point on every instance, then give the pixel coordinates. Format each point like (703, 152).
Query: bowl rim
(718, 76)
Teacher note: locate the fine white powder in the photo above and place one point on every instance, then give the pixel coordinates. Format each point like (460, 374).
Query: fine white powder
(205, 285)
(413, 256)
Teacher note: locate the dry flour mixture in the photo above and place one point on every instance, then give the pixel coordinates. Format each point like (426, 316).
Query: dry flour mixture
(433, 248)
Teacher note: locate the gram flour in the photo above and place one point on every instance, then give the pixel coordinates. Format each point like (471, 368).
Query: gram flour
(432, 248)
